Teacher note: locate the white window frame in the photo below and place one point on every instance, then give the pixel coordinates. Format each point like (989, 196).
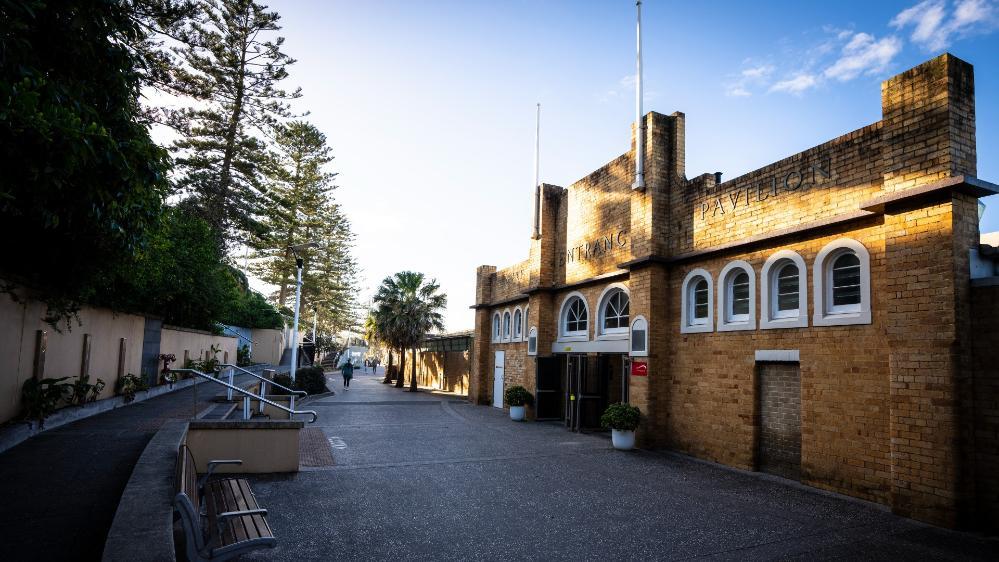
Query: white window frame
(769, 317)
(527, 310)
(825, 314)
(728, 322)
(532, 334)
(631, 331)
(581, 335)
(687, 304)
(612, 333)
(518, 327)
(507, 326)
(497, 327)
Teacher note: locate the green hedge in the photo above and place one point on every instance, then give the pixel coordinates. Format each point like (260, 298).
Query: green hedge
(309, 379)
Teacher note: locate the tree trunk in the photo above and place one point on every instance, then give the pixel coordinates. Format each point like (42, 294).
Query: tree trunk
(412, 373)
(402, 368)
(388, 370)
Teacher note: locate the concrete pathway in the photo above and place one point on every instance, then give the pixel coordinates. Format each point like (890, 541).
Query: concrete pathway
(60, 488)
(420, 476)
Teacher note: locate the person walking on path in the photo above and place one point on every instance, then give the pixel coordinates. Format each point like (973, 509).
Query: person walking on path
(348, 373)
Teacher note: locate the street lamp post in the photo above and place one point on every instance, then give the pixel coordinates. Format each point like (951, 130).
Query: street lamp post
(299, 262)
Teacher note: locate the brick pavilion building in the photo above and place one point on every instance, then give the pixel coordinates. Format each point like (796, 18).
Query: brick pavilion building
(832, 317)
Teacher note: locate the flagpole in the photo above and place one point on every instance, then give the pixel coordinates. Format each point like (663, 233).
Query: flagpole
(537, 175)
(639, 125)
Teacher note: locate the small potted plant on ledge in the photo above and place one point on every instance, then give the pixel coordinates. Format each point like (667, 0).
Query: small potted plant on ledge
(622, 419)
(518, 398)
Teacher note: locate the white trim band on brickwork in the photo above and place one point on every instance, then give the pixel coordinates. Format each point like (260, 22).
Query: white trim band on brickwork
(778, 355)
(595, 346)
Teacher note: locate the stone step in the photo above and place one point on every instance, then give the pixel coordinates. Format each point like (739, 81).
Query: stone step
(219, 411)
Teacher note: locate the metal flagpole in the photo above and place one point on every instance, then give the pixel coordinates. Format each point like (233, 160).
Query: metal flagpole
(537, 175)
(639, 125)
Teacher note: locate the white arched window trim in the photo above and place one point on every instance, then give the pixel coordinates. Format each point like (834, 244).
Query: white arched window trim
(532, 341)
(527, 311)
(823, 314)
(769, 318)
(611, 333)
(726, 321)
(507, 325)
(582, 335)
(639, 328)
(497, 327)
(686, 300)
(518, 324)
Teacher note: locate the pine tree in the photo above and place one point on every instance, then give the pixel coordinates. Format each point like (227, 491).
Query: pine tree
(234, 71)
(301, 208)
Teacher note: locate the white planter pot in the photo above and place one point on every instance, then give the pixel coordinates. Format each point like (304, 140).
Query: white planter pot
(623, 440)
(517, 413)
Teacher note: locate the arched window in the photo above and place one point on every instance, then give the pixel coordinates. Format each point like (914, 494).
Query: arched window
(496, 327)
(518, 325)
(574, 318)
(696, 296)
(527, 321)
(737, 297)
(784, 291)
(842, 284)
(614, 313)
(506, 325)
(639, 337)
(532, 341)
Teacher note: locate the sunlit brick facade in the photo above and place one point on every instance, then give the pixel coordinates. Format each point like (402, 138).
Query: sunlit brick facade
(818, 318)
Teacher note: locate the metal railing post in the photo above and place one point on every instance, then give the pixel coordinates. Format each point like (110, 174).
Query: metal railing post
(263, 394)
(291, 404)
(246, 407)
(228, 393)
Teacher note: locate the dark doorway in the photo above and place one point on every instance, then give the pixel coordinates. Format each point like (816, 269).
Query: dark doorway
(548, 392)
(585, 392)
(614, 368)
(778, 395)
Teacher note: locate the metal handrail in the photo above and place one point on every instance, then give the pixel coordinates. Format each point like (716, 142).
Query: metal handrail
(315, 415)
(267, 380)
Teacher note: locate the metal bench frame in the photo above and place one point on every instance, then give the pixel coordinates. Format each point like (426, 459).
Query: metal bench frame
(199, 547)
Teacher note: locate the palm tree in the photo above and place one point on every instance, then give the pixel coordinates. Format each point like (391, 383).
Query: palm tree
(411, 307)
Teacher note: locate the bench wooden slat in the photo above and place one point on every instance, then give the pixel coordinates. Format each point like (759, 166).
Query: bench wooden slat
(218, 496)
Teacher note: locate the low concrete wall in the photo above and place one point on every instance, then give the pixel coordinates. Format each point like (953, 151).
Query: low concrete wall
(142, 528)
(268, 345)
(195, 344)
(264, 446)
(19, 323)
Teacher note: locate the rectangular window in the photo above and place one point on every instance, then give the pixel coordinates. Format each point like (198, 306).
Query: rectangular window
(740, 298)
(701, 302)
(637, 340)
(787, 293)
(846, 285)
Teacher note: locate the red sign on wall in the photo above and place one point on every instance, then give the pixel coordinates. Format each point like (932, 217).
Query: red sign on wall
(639, 369)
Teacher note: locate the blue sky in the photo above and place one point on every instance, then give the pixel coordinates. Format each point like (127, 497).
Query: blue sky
(429, 106)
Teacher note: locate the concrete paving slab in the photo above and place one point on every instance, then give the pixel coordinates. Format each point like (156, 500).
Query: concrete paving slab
(449, 481)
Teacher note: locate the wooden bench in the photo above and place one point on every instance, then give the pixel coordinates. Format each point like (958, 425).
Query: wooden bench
(231, 522)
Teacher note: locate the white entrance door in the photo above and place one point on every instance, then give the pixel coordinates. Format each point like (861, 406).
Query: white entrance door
(498, 380)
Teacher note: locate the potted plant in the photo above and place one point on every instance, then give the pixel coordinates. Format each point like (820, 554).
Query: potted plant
(622, 419)
(518, 397)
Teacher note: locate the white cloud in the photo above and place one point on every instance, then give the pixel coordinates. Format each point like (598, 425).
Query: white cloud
(752, 76)
(934, 31)
(797, 84)
(864, 55)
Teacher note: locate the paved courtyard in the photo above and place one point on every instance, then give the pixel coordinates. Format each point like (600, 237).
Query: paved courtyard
(429, 477)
